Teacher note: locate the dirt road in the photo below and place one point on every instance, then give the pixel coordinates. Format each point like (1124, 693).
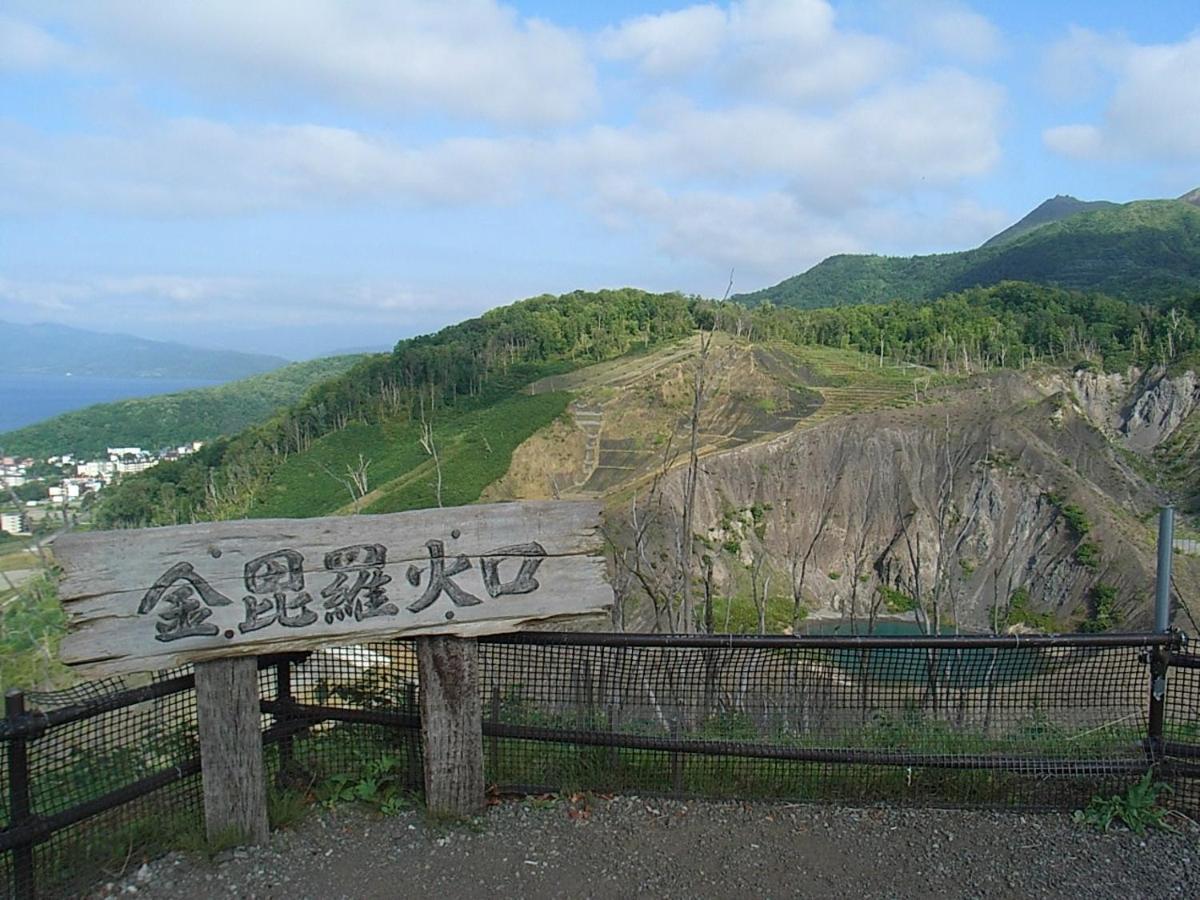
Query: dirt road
(626, 846)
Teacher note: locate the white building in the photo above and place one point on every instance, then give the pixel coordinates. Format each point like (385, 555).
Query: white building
(141, 464)
(101, 468)
(14, 523)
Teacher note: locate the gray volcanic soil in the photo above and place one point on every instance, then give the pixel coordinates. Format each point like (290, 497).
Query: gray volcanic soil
(619, 847)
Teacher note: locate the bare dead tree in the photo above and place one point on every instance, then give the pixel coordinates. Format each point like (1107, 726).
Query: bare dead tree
(637, 560)
(429, 445)
(355, 480)
(856, 557)
(800, 558)
(760, 587)
(685, 538)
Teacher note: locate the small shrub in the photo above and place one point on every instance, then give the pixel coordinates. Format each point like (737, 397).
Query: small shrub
(1088, 554)
(1021, 612)
(1076, 518)
(1137, 809)
(897, 601)
(1102, 616)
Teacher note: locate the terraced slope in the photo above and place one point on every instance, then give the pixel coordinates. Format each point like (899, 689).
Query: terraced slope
(629, 419)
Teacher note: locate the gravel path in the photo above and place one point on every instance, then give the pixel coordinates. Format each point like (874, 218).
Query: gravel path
(618, 847)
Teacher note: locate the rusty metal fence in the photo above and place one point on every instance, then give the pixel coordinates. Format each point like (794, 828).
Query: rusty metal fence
(92, 777)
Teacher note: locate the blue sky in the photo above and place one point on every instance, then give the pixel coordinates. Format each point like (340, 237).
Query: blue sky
(301, 176)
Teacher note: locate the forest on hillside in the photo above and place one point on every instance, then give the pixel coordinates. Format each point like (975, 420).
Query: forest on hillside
(168, 420)
(477, 363)
(1148, 250)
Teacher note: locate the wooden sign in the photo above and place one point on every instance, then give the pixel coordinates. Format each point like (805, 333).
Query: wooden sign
(149, 599)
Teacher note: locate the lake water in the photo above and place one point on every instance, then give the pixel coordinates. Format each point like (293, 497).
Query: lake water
(25, 399)
(975, 667)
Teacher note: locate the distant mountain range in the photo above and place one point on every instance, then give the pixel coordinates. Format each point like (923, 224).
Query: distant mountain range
(46, 349)
(1149, 249)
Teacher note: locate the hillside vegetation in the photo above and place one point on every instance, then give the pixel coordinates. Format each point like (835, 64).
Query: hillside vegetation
(450, 379)
(1053, 210)
(467, 382)
(1148, 250)
(167, 420)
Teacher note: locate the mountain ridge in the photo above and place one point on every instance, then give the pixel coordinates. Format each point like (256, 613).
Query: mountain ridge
(1055, 209)
(45, 348)
(1147, 248)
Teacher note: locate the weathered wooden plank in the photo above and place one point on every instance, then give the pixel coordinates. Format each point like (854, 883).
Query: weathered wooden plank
(131, 560)
(231, 754)
(154, 598)
(451, 726)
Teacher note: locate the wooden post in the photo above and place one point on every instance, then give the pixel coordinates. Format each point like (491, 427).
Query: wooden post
(451, 725)
(231, 754)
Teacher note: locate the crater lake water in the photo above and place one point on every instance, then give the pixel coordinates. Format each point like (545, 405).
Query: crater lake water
(25, 399)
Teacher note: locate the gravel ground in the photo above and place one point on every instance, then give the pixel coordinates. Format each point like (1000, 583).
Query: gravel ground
(618, 847)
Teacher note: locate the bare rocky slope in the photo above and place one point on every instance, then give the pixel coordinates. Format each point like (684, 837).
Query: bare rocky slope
(1006, 500)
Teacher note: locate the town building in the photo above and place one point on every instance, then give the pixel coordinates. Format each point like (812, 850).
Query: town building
(14, 523)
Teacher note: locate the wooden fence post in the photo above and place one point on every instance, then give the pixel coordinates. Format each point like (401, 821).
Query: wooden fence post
(231, 751)
(451, 725)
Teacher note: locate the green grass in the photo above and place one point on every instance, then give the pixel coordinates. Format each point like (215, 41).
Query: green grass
(475, 441)
(475, 449)
(302, 487)
(32, 623)
(743, 615)
(19, 559)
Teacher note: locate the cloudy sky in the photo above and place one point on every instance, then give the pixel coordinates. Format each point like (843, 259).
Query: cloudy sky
(299, 176)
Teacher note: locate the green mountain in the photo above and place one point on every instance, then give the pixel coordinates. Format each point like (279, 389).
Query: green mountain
(45, 349)
(467, 383)
(1053, 210)
(1147, 250)
(987, 403)
(167, 420)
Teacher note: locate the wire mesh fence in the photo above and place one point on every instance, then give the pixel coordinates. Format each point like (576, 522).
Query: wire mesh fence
(1181, 732)
(998, 721)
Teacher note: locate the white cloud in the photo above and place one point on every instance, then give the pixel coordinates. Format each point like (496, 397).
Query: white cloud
(203, 167)
(796, 23)
(786, 49)
(1150, 112)
(957, 32)
(768, 232)
(792, 148)
(670, 43)
(25, 46)
(930, 133)
(466, 58)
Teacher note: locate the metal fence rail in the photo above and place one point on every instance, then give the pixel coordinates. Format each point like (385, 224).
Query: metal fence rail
(1026, 721)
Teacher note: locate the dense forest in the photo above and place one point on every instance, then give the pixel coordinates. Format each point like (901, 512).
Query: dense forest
(168, 420)
(1148, 250)
(1010, 324)
(481, 361)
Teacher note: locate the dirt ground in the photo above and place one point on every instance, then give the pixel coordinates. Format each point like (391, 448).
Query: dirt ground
(626, 846)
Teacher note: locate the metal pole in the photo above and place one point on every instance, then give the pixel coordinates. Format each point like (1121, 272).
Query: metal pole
(1162, 584)
(1160, 656)
(18, 797)
(283, 693)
